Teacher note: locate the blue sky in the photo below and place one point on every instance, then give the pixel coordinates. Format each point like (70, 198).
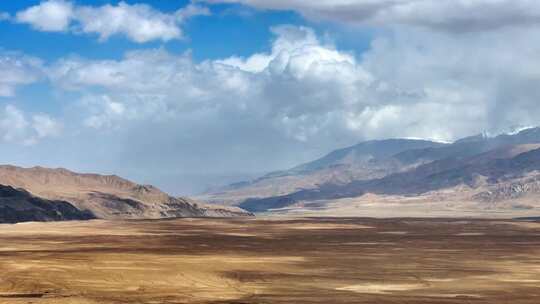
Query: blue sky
(191, 94)
(209, 37)
(232, 29)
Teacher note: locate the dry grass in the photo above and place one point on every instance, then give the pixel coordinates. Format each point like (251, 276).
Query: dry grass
(271, 261)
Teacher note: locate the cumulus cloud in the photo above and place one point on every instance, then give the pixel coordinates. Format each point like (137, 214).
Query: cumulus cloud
(139, 22)
(103, 111)
(18, 127)
(409, 84)
(191, 10)
(17, 70)
(448, 15)
(50, 16)
(299, 81)
(477, 81)
(13, 124)
(44, 126)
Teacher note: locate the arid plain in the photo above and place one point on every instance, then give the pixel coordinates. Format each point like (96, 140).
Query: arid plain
(271, 260)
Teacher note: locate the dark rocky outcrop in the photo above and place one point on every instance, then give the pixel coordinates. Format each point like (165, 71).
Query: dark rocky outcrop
(17, 205)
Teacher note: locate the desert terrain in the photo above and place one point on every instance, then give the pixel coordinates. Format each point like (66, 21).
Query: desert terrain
(452, 203)
(271, 260)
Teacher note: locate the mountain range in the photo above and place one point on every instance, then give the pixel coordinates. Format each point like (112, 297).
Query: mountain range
(366, 160)
(477, 169)
(487, 172)
(43, 194)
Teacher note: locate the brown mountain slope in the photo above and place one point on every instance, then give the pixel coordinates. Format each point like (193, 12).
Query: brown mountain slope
(106, 196)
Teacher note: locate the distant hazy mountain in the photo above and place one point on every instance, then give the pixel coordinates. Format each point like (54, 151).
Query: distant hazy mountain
(17, 205)
(106, 196)
(368, 152)
(364, 161)
(477, 161)
(469, 146)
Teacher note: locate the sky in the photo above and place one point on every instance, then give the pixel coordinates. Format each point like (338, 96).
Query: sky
(188, 95)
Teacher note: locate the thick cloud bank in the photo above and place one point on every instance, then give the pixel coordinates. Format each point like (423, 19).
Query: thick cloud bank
(447, 15)
(422, 85)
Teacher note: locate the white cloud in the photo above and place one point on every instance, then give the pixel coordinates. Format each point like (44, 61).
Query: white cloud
(410, 83)
(50, 16)
(15, 126)
(104, 111)
(297, 51)
(17, 70)
(191, 10)
(448, 15)
(45, 126)
(138, 22)
(300, 74)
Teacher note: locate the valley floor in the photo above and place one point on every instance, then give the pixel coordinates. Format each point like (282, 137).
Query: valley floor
(422, 206)
(271, 260)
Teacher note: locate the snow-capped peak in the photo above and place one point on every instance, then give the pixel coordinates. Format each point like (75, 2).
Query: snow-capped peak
(517, 129)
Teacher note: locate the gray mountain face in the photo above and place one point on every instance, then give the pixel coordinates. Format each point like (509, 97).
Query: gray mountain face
(364, 161)
(469, 161)
(369, 152)
(469, 146)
